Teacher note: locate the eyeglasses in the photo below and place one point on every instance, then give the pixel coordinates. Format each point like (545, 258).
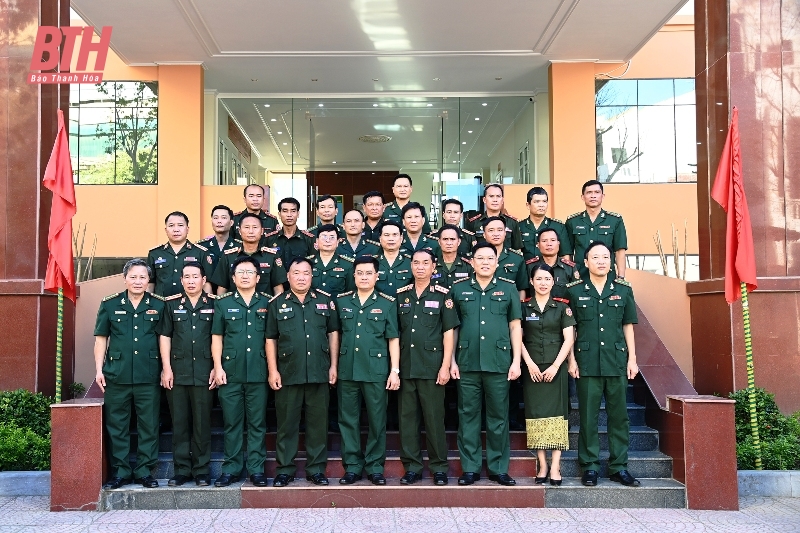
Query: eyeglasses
(328, 237)
(246, 272)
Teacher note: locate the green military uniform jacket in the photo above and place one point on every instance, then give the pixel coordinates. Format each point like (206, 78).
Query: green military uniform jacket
(336, 277)
(391, 278)
(565, 272)
(608, 228)
(484, 341)
(301, 244)
(314, 230)
(373, 234)
(600, 348)
(530, 236)
(424, 242)
(467, 241)
(511, 265)
(460, 269)
(133, 357)
(167, 266)
(269, 222)
(542, 330)
(302, 333)
(364, 350)
(423, 322)
(214, 252)
(190, 330)
(364, 247)
(513, 238)
(270, 268)
(392, 211)
(243, 330)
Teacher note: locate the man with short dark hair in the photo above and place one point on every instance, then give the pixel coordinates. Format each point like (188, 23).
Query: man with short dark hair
(373, 211)
(402, 189)
(538, 221)
(326, 213)
(394, 268)
(595, 224)
(331, 272)
(166, 260)
(511, 265)
(302, 354)
(369, 360)
(450, 267)
(355, 243)
(240, 372)
(413, 238)
(289, 241)
(564, 270)
(222, 239)
(493, 206)
(452, 214)
(254, 204)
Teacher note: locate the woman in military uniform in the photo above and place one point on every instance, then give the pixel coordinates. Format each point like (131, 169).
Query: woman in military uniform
(547, 329)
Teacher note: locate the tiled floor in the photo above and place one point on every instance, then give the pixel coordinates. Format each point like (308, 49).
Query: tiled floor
(30, 514)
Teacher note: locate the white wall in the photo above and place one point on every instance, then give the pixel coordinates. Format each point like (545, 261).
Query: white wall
(531, 126)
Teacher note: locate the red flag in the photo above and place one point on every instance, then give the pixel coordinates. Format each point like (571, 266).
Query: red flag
(728, 191)
(58, 178)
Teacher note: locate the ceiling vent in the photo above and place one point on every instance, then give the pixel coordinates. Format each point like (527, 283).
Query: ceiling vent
(374, 138)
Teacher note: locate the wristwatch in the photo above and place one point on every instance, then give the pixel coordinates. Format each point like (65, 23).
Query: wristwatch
(396, 371)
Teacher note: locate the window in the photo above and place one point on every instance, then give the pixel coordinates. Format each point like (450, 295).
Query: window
(524, 169)
(113, 133)
(645, 131)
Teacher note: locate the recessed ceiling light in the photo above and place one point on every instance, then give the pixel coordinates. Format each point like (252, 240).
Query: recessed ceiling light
(285, 144)
(484, 104)
(477, 118)
(413, 161)
(453, 161)
(266, 105)
(469, 131)
(374, 105)
(373, 173)
(434, 79)
(430, 105)
(320, 105)
(273, 120)
(253, 79)
(290, 153)
(280, 133)
(458, 153)
(336, 173)
(498, 79)
(334, 162)
(373, 162)
(374, 79)
(463, 142)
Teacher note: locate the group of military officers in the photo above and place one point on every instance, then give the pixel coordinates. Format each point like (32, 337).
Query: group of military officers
(379, 303)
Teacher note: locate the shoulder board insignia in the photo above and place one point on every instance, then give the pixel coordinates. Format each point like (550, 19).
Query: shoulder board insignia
(441, 289)
(556, 220)
(221, 296)
(390, 298)
(526, 300)
(269, 299)
(212, 296)
(156, 296)
(271, 215)
(159, 247)
(573, 215)
(312, 228)
(532, 260)
(514, 250)
(234, 250)
(573, 283)
(567, 262)
(347, 258)
(476, 217)
(268, 295)
(238, 240)
(406, 288)
(323, 292)
(562, 300)
(268, 249)
(468, 232)
(272, 233)
(613, 214)
(376, 243)
(348, 293)
(307, 233)
(512, 217)
(432, 236)
(201, 247)
(236, 214)
(465, 259)
(312, 256)
(407, 256)
(208, 238)
(387, 204)
(111, 296)
(460, 280)
(622, 282)
(173, 297)
(506, 280)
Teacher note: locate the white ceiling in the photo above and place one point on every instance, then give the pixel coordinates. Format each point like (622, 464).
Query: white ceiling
(403, 44)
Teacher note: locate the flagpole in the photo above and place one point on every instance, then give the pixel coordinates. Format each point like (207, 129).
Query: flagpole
(751, 379)
(59, 335)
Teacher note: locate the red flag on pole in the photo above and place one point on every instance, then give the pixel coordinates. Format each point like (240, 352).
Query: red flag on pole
(58, 178)
(728, 191)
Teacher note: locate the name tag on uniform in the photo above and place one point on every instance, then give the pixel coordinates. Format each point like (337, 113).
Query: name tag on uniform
(190, 259)
(179, 311)
(498, 293)
(233, 310)
(152, 312)
(402, 271)
(160, 260)
(322, 306)
(525, 234)
(338, 269)
(584, 298)
(264, 265)
(468, 293)
(405, 305)
(437, 275)
(262, 310)
(462, 275)
(615, 297)
(532, 317)
(285, 309)
(509, 265)
(381, 272)
(120, 312)
(206, 310)
(346, 310)
(508, 230)
(434, 304)
(605, 227)
(376, 311)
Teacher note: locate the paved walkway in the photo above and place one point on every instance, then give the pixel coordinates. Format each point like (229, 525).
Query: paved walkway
(24, 514)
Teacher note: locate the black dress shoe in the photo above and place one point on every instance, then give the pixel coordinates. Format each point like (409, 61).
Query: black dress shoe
(202, 480)
(178, 480)
(624, 477)
(440, 478)
(503, 479)
(116, 482)
(281, 480)
(540, 480)
(377, 479)
(225, 479)
(148, 482)
(410, 478)
(589, 478)
(349, 478)
(259, 480)
(468, 478)
(317, 479)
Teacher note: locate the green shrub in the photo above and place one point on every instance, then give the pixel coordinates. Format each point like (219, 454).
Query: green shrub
(779, 434)
(23, 409)
(22, 449)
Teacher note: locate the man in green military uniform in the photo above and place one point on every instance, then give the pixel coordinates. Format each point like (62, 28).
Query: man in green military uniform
(240, 371)
(222, 240)
(452, 213)
(538, 221)
(326, 213)
(564, 270)
(302, 354)
(289, 241)
(128, 369)
(166, 261)
(332, 272)
(394, 268)
(427, 319)
(413, 238)
(254, 205)
(450, 267)
(595, 224)
(369, 359)
(354, 243)
(493, 203)
(271, 273)
(185, 344)
(402, 189)
(373, 210)
(511, 264)
(604, 360)
(487, 358)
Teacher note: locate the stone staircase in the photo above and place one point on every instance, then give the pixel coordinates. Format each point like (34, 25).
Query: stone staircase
(646, 462)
